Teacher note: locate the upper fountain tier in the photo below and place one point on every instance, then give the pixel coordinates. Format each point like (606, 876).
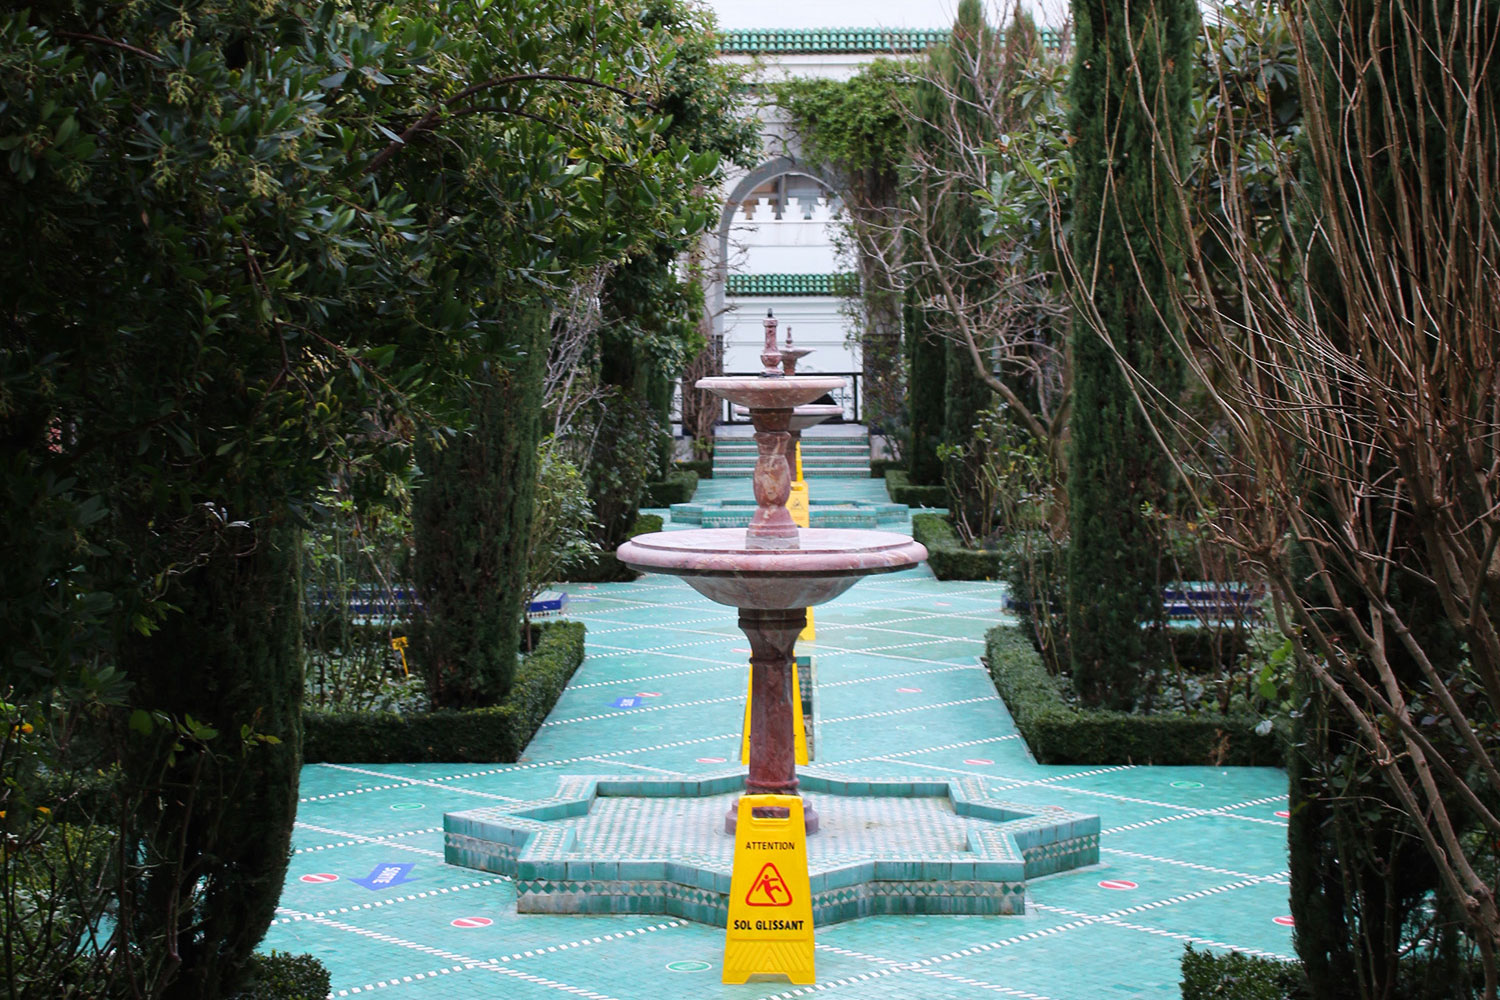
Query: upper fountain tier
(757, 392)
(721, 565)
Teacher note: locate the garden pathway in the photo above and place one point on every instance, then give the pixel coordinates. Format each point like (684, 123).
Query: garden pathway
(1188, 854)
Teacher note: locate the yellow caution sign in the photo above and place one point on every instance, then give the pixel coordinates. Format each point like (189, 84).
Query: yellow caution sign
(799, 727)
(770, 898)
(399, 645)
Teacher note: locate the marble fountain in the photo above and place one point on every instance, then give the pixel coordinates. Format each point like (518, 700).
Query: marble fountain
(876, 845)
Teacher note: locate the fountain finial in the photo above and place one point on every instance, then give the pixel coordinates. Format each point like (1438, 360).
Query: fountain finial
(770, 355)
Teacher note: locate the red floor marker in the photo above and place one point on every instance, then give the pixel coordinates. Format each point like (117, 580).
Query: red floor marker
(1118, 883)
(1283, 814)
(320, 877)
(648, 694)
(472, 922)
(1283, 921)
(711, 760)
(908, 690)
(978, 760)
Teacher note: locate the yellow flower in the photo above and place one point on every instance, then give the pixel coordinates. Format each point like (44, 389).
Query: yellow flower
(26, 728)
(44, 810)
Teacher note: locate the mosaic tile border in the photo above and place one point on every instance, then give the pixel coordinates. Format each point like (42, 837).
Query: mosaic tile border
(1007, 844)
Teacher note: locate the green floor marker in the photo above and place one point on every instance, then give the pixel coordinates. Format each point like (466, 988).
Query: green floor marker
(1187, 784)
(693, 966)
(647, 729)
(404, 806)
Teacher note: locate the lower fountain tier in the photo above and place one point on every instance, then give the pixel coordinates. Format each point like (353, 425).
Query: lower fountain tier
(892, 845)
(717, 563)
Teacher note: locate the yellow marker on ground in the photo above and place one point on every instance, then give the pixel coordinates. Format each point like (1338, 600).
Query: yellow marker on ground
(770, 897)
(797, 505)
(399, 645)
(799, 727)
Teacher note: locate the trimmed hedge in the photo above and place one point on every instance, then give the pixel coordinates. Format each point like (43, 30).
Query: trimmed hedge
(479, 735)
(878, 466)
(1236, 976)
(1060, 733)
(678, 487)
(704, 467)
(606, 568)
(898, 486)
(279, 976)
(947, 556)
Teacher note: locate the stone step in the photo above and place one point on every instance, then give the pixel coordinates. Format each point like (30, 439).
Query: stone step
(808, 472)
(727, 461)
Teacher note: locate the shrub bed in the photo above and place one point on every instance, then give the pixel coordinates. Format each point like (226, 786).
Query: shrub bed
(606, 568)
(947, 556)
(678, 487)
(1060, 733)
(482, 735)
(279, 976)
(879, 466)
(1236, 976)
(704, 467)
(900, 489)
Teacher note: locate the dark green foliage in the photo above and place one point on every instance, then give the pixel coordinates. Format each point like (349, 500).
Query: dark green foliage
(879, 465)
(279, 976)
(703, 468)
(927, 373)
(900, 490)
(1207, 975)
(216, 838)
(678, 487)
(495, 733)
(1060, 733)
(1128, 247)
(608, 569)
(471, 520)
(946, 554)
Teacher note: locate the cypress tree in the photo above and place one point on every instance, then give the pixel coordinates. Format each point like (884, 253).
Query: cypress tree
(927, 366)
(213, 826)
(471, 518)
(1126, 244)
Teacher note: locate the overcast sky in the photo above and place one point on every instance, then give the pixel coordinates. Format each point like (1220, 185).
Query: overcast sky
(846, 13)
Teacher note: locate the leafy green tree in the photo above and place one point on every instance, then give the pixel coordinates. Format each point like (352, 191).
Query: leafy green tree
(1129, 253)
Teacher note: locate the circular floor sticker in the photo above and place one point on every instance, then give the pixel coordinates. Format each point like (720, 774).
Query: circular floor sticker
(941, 604)
(739, 649)
(1283, 814)
(1187, 784)
(646, 729)
(408, 806)
(318, 878)
(908, 690)
(693, 966)
(711, 760)
(472, 922)
(978, 760)
(1283, 921)
(648, 694)
(1118, 883)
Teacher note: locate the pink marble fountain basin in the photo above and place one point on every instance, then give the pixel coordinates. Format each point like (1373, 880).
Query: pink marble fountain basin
(761, 393)
(804, 417)
(716, 563)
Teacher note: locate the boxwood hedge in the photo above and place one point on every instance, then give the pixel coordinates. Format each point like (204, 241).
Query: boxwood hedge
(495, 733)
(704, 467)
(1059, 732)
(1236, 976)
(678, 487)
(947, 556)
(900, 489)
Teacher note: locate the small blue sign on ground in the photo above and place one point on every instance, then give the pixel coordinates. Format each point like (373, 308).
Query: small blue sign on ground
(384, 876)
(633, 702)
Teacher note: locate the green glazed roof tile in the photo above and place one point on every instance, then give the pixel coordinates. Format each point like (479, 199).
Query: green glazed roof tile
(789, 41)
(792, 284)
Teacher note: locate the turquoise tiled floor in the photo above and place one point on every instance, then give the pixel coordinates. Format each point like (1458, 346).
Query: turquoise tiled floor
(1201, 851)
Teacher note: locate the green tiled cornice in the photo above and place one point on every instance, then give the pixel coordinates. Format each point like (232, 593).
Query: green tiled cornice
(793, 284)
(790, 41)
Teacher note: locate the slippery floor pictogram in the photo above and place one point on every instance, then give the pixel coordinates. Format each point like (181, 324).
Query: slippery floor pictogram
(769, 888)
